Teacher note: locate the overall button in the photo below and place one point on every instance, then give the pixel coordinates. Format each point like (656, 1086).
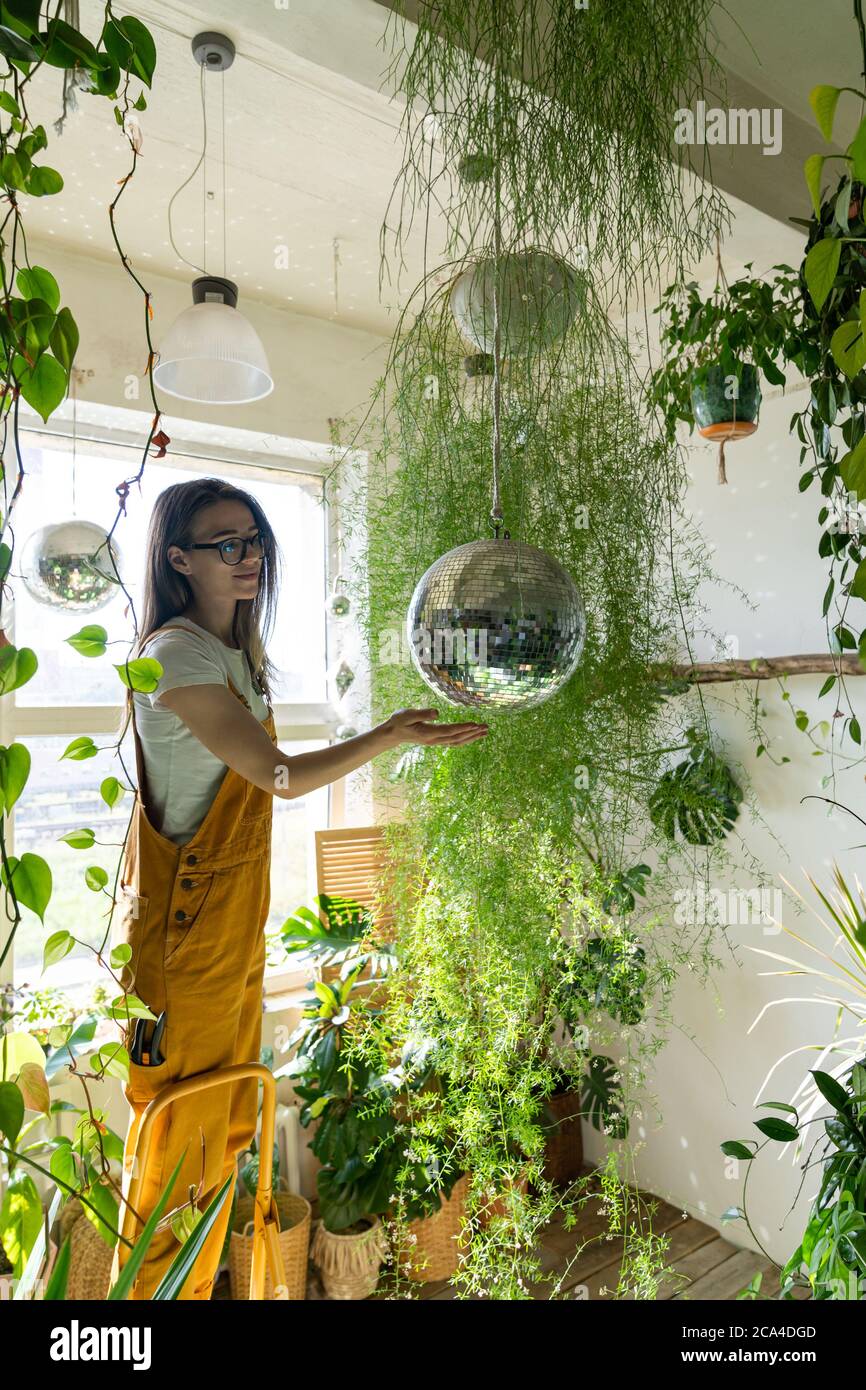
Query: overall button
(187, 883)
(180, 916)
(192, 859)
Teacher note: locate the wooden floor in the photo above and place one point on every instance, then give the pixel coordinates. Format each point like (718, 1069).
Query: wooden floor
(702, 1264)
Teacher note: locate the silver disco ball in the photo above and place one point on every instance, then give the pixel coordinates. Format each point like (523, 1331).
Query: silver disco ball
(496, 623)
(539, 296)
(68, 566)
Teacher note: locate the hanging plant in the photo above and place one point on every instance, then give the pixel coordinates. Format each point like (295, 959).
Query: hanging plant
(812, 319)
(506, 840)
(545, 97)
(699, 799)
(715, 348)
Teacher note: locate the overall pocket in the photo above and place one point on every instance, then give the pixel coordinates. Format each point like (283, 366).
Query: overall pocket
(183, 920)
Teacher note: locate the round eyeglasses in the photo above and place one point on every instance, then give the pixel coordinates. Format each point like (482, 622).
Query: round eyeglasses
(233, 550)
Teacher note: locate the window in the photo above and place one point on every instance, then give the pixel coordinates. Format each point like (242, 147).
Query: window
(72, 695)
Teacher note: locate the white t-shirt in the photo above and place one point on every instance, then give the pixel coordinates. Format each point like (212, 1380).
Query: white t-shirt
(183, 777)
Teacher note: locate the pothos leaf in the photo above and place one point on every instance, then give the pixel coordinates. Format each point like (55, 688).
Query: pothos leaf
(823, 100)
(820, 269)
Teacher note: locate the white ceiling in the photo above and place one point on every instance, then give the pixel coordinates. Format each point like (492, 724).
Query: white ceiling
(312, 147)
(310, 156)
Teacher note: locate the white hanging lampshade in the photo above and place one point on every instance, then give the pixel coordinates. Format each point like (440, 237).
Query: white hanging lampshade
(212, 353)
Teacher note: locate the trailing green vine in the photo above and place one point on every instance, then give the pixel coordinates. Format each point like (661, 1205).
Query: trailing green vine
(38, 343)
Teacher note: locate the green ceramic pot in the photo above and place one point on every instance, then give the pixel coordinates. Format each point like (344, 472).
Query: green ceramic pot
(713, 402)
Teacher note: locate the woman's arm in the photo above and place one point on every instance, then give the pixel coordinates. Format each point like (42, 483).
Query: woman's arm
(234, 735)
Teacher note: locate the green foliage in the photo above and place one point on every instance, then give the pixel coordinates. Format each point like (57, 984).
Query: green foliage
(354, 1138)
(749, 321)
(699, 799)
(496, 847)
(831, 1258)
(346, 937)
(572, 109)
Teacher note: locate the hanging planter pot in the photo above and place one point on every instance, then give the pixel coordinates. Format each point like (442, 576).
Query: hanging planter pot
(726, 405)
(539, 298)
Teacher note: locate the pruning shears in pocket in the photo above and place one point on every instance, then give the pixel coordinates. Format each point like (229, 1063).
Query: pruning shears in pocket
(144, 1052)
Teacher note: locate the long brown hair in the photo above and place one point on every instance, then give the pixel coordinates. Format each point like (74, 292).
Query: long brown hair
(167, 592)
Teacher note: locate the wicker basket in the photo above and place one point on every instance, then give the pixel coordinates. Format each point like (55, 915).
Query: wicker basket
(90, 1258)
(563, 1151)
(499, 1205)
(349, 1264)
(295, 1215)
(437, 1249)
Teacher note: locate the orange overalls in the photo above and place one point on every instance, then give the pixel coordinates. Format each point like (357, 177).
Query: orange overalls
(194, 916)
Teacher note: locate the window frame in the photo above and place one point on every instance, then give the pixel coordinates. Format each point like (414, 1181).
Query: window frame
(192, 448)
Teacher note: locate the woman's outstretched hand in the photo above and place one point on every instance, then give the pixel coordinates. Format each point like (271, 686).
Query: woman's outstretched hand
(412, 726)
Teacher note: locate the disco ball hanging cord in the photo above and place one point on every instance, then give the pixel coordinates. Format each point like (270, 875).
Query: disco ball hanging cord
(496, 516)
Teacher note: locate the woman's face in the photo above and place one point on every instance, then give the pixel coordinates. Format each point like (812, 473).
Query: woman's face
(211, 579)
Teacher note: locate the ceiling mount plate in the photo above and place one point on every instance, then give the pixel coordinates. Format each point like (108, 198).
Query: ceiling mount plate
(213, 51)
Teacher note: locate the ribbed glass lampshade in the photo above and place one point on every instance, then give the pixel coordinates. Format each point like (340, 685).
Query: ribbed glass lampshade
(212, 353)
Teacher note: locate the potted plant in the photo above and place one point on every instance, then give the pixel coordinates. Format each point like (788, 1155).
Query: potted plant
(428, 1213)
(715, 347)
(353, 1140)
(830, 1260)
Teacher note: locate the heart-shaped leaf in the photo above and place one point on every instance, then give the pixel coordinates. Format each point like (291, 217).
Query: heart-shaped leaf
(823, 101)
(820, 268)
(142, 674)
(11, 1110)
(111, 791)
(91, 640)
(30, 879)
(848, 346)
(18, 665)
(79, 749)
(58, 945)
(79, 839)
(14, 771)
(33, 1085)
(34, 282)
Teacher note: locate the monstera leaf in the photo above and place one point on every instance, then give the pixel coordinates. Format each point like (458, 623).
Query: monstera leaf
(699, 799)
(601, 1098)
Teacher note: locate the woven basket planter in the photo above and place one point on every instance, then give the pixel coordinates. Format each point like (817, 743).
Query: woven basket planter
(563, 1150)
(349, 1264)
(295, 1215)
(499, 1205)
(437, 1249)
(90, 1258)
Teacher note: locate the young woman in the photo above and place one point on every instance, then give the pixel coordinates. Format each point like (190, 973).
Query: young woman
(196, 873)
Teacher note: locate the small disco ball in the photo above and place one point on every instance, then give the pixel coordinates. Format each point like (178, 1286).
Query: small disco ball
(338, 605)
(68, 566)
(496, 623)
(346, 731)
(539, 296)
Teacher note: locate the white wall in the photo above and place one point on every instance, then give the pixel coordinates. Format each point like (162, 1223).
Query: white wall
(765, 535)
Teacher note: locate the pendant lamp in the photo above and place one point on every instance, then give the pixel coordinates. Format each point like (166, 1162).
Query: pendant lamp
(212, 353)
